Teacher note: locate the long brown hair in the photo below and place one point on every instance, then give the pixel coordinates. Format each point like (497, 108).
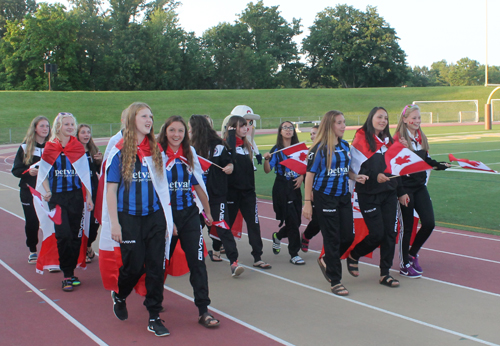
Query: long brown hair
(129, 150)
(185, 144)
(93, 149)
(326, 136)
(279, 139)
(370, 130)
(237, 121)
(30, 139)
(402, 127)
(202, 134)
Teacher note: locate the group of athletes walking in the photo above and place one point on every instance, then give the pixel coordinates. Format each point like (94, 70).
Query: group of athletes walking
(155, 194)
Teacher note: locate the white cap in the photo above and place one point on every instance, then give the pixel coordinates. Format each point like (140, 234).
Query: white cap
(245, 112)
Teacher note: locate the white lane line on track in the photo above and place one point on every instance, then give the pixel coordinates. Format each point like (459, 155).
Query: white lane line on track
(234, 319)
(435, 230)
(54, 305)
(10, 187)
(309, 287)
(368, 306)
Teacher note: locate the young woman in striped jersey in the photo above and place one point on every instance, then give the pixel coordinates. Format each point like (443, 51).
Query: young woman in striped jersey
(134, 174)
(377, 196)
(184, 174)
(63, 186)
(84, 135)
(287, 197)
(409, 132)
(241, 187)
(27, 155)
(210, 146)
(327, 183)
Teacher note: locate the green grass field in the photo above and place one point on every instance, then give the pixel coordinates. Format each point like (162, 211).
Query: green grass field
(461, 200)
(464, 199)
(19, 107)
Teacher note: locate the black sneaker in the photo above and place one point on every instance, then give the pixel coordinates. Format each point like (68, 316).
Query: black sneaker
(276, 244)
(119, 307)
(156, 326)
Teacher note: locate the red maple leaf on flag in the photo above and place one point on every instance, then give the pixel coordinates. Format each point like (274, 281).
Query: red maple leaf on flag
(302, 156)
(474, 163)
(402, 160)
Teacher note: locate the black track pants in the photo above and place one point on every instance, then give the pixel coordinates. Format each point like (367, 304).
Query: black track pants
(32, 224)
(379, 213)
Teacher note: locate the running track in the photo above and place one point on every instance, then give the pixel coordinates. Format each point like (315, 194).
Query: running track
(456, 303)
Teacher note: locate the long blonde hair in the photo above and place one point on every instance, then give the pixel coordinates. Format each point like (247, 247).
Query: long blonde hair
(56, 127)
(402, 128)
(326, 136)
(30, 139)
(129, 150)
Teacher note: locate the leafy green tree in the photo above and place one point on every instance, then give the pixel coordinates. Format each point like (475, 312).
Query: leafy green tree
(14, 9)
(466, 72)
(47, 36)
(351, 48)
(442, 70)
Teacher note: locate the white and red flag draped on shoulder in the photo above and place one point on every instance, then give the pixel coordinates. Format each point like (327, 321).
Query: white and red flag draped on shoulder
(48, 258)
(477, 165)
(360, 149)
(401, 161)
(297, 158)
(110, 259)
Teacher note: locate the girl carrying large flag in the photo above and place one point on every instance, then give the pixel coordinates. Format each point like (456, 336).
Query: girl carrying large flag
(136, 217)
(377, 196)
(64, 181)
(327, 184)
(409, 132)
(185, 175)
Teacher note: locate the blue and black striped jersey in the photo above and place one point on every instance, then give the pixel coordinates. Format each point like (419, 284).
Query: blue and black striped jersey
(62, 176)
(180, 181)
(279, 169)
(334, 180)
(140, 198)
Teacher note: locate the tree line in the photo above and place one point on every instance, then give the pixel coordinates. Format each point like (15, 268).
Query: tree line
(140, 45)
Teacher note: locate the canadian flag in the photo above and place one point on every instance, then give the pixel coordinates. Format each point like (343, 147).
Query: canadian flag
(54, 214)
(204, 163)
(360, 149)
(48, 258)
(401, 161)
(478, 165)
(223, 224)
(297, 160)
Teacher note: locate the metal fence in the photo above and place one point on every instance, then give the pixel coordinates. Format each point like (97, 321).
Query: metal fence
(16, 134)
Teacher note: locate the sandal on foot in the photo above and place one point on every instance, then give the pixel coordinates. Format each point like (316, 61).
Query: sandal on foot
(208, 321)
(262, 265)
(214, 256)
(352, 266)
(339, 290)
(389, 281)
(90, 253)
(322, 266)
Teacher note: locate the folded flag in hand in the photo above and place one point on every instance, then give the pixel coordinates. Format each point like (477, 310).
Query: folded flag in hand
(478, 165)
(297, 160)
(54, 214)
(401, 161)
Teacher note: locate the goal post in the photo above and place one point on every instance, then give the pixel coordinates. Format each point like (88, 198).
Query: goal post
(454, 111)
(495, 109)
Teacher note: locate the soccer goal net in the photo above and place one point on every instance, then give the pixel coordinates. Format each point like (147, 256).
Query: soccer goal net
(452, 111)
(495, 109)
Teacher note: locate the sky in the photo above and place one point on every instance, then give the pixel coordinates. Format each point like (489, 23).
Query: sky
(429, 30)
